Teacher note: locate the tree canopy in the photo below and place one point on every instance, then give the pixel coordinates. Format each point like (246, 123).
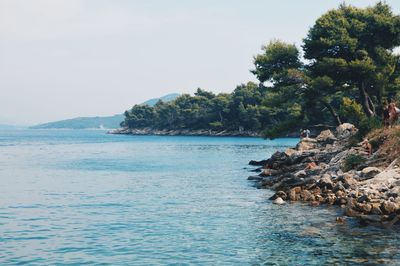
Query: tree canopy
(348, 70)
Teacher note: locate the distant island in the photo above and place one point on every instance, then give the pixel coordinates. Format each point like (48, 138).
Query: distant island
(84, 123)
(98, 122)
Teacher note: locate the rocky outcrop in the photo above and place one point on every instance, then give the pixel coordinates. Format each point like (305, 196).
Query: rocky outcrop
(183, 132)
(315, 172)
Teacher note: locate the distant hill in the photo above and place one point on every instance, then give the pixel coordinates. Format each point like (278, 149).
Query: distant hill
(166, 98)
(99, 121)
(85, 122)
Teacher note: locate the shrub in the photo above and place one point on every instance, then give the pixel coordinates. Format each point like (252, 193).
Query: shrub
(351, 111)
(366, 126)
(352, 161)
(216, 125)
(280, 129)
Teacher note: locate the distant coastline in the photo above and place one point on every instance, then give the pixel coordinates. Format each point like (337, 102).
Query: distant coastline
(184, 132)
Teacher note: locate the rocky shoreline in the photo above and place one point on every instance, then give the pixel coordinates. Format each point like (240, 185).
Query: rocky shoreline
(316, 171)
(184, 132)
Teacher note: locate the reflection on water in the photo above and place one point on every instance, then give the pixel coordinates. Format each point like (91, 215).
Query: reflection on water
(87, 197)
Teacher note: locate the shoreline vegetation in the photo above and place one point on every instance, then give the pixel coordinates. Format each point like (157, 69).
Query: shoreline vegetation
(183, 132)
(331, 170)
(346, 71)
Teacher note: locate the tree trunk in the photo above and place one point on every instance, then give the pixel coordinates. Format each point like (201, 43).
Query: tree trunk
(371, 105)
(221, 118)
(332, 111)
(380, 104)
(365, 101)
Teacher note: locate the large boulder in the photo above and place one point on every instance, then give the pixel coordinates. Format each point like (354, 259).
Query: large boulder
(291, 152)
(306, 144)
(345, 130)
(326, 137)
(369, 172)
(387, 178)
(389, 207)
(325, 181)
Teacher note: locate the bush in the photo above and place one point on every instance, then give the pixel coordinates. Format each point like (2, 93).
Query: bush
(216, 125)
(367, 125)
(352, 161)
(351, 111)
(281, 129)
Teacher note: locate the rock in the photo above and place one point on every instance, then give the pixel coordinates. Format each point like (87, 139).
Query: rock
(300, 174)
(331, 199)
(364, 207)
(348, 180)
(375, 209)
(290, 152)
(369, 172)
(351, 212)
(340, 220)
(305, 195)
(340, 194)
(338, 187)
(325, 181)
(258, 163)
(319, 198)
(363, 198)
(314, 203)
(326, 137)
(270, 172)
(255, 178)
(306, 144)
(279, 201)
(292, 195)
(389, 207)
(345, 131)
(371, 218)
(394, 192)
(385, 177)
(257, 170)
(279, 194)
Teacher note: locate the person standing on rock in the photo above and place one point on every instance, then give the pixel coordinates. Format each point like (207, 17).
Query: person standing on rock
(307, 133)
(302, 133)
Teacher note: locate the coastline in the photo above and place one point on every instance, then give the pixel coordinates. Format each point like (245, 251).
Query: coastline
(317, 171)
(184, 132)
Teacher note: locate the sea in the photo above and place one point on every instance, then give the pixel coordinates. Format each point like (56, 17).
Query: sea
(84, 197)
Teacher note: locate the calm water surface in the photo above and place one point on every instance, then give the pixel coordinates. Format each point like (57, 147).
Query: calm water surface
(84, 197)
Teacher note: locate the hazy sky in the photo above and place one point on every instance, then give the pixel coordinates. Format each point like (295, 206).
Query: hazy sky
(66, 58)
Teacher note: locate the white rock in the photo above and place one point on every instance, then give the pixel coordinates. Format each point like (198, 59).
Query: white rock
(279, 201)
(370, 172)
(345, 130)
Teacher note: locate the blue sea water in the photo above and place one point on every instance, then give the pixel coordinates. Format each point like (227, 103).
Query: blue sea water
(84, 197)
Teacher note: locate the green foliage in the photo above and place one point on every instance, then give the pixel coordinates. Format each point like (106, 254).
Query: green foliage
(280, 129)
(204, 110)
(350, 69)
(351, 111)
(367, 125)
(216, 125)
(354, 47)
(352, 161)
(278, 57)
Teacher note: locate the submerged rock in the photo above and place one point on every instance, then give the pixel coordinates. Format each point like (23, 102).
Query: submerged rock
(279, 201)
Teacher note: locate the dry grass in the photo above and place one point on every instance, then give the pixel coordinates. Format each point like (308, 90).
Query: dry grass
(386, 141)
